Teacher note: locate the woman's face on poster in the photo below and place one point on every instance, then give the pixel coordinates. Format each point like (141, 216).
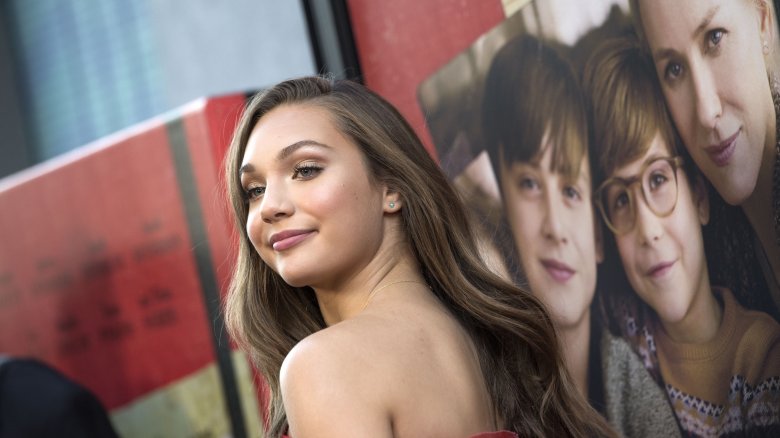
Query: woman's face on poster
(710, 57)
(552, 222)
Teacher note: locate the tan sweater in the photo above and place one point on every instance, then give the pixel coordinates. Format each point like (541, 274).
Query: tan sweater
(730, 384)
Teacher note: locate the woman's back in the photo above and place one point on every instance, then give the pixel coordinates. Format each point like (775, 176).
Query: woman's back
(404, 366)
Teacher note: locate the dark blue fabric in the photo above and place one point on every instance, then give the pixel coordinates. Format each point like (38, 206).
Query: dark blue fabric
(37, 401)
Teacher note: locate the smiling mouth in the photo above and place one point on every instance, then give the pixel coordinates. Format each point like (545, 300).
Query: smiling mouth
(661, 269)
(287, 239)
(559, 271)
(721, 153)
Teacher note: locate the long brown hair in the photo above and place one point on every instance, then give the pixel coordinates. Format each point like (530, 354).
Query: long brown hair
(517, 346)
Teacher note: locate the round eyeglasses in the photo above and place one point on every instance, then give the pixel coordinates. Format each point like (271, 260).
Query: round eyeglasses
(658, 180)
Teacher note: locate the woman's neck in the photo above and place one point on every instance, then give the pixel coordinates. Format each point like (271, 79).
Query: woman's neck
(346, 299)
(575, 344)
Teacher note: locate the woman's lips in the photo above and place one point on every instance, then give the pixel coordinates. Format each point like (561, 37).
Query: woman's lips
(721, 153)
(660, 269)
(288, 239)
(559, 271)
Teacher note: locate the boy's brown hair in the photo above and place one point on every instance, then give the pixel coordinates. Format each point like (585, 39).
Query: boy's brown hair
(531, 91)
(626, 106)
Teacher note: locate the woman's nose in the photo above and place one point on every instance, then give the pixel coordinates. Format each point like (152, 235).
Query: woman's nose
(708, 106)
(276, 204)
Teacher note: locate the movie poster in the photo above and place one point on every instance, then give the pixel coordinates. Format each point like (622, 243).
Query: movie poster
(112, 262)
(629, 180)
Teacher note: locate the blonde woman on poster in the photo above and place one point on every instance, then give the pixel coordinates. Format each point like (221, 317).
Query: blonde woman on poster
(720, 362)
(716, 62)
(535, 127)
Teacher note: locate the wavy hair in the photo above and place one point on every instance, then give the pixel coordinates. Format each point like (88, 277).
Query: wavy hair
(514, 336)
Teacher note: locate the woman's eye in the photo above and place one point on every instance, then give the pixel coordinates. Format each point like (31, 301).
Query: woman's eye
(714, 37)
(306, 171)
(254, 193)
(672, 71)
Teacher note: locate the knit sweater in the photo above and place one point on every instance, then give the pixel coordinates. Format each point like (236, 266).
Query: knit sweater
(731, 384)
(635, 404)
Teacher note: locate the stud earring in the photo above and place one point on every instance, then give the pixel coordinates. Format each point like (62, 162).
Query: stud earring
(766, 47)
(391, 204)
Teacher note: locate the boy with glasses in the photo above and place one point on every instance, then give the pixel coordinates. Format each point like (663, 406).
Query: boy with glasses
(720, 363)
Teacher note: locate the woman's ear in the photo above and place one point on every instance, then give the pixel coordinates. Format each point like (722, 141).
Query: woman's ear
(766, 25)
(702, 200)
(393, 202)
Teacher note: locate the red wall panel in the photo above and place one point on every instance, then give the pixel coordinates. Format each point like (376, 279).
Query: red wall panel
(400, 43)
(98, 268)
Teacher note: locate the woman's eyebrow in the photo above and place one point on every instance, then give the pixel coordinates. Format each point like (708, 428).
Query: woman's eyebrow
(705, 23)
(289, 150)
(284, 153)
(246, 168)
(664, 53)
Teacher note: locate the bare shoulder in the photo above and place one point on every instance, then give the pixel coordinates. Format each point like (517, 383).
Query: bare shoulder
(353, 353)
(332, 351)
(331, 385)
(401, 371)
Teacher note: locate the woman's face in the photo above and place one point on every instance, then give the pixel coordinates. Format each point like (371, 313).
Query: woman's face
(551, 218)
(710, 59)
(663, 256)
(315, 216)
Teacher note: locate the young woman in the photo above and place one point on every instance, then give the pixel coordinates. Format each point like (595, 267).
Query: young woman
(536, 132)
(358, 291)
(716, 63)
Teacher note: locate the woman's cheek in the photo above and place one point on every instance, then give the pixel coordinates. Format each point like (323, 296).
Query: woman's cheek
(253, 228)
